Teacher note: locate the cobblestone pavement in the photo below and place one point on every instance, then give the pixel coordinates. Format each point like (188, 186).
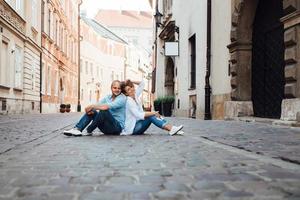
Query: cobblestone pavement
(214, 160)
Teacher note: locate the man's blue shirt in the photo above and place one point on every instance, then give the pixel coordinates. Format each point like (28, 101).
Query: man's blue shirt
(116, 107)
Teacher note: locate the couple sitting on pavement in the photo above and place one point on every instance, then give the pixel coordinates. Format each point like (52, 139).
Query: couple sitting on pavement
(109, 114)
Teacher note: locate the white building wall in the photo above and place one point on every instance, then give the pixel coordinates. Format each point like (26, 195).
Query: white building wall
(220, 75)
(189, 23)
(107, 64)
(143, 36)
(221, 27)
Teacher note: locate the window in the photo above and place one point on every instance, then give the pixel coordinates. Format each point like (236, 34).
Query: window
(43, 78)
(4, 73)
(97, 71)
(34, 13)
(81, 95)
(20, 7)
(18, 67)
(49, 22)
(49, 81)
(92, 70)
(33, 77)
(90, 97)
(56, 83)
(75, 89)
(80, 66)
(66, 43)
(86, 67)
(43, 15)
(112, 76)
(57, 32)
(55, 28)
(192, 42)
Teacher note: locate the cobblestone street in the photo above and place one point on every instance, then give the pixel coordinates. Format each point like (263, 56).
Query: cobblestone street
(213, 160)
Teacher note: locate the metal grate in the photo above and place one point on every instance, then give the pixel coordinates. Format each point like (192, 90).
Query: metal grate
(268, 59)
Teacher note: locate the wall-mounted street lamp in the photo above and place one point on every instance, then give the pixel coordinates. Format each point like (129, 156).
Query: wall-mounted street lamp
(157, 17)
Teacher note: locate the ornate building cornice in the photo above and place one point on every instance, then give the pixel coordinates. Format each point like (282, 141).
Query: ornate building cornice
(11, 17)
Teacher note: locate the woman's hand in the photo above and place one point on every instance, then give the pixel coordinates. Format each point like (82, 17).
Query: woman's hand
(156, 113)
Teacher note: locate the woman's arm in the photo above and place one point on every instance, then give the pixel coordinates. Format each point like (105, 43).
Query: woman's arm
(140, 89)
(149, 114)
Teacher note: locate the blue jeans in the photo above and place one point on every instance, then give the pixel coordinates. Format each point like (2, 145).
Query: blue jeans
(142, 125)
(103, 120)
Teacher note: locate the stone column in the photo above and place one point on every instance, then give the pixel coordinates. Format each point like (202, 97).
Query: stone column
(291, 20)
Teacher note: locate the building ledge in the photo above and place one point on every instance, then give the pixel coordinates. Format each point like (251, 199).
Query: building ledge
(4, 87)
(18, 89)
(269, 121)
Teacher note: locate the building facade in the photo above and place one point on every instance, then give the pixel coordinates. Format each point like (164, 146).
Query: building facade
(182, 76)
(136, 28)
(102, 60)
(133, 26)
(236, 58)
(138, 68)
(60, 63)
(20, 45)
(264, 60)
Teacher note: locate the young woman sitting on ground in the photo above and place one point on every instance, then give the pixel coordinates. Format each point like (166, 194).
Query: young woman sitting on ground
(137, 121)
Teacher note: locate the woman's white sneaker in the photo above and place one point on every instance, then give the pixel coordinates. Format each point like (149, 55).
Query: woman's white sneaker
(73, 132)
(175, 129)
(181, 133)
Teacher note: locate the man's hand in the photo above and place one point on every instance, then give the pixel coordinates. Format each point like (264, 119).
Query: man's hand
(89, 109)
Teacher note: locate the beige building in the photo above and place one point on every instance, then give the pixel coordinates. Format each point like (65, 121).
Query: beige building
(102, 60)
(20, 45)
(138, 68)
(136, 28)
(60, 63)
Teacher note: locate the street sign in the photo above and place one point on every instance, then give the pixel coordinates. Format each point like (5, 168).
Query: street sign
(172, 48)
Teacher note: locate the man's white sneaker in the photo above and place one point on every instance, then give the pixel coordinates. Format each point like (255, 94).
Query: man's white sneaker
(85, 133)
(73, 132)
(175, 129)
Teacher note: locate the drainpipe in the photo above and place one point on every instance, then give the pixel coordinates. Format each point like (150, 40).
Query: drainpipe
(207, 115)
(41, 79)
(78, 92)
(41, 61)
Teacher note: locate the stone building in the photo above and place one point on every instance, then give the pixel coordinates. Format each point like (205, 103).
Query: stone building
(264, 59)
(20, 45)
(245, 58)
(60, 63)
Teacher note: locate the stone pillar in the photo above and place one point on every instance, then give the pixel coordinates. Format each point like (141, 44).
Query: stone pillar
(240, 49)
(291, 21)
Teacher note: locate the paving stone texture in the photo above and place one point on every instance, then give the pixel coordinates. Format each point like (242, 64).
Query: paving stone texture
(213, 160)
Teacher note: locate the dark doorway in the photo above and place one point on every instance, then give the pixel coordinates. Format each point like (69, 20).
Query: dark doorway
(169, 77)
(268, 59)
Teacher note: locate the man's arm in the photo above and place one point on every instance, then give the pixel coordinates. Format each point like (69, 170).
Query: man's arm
(102, 105)
(89, 108)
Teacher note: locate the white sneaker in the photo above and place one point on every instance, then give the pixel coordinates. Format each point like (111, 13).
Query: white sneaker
(175, 129)
(85, 133)
(73, 132)
(181, 133)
